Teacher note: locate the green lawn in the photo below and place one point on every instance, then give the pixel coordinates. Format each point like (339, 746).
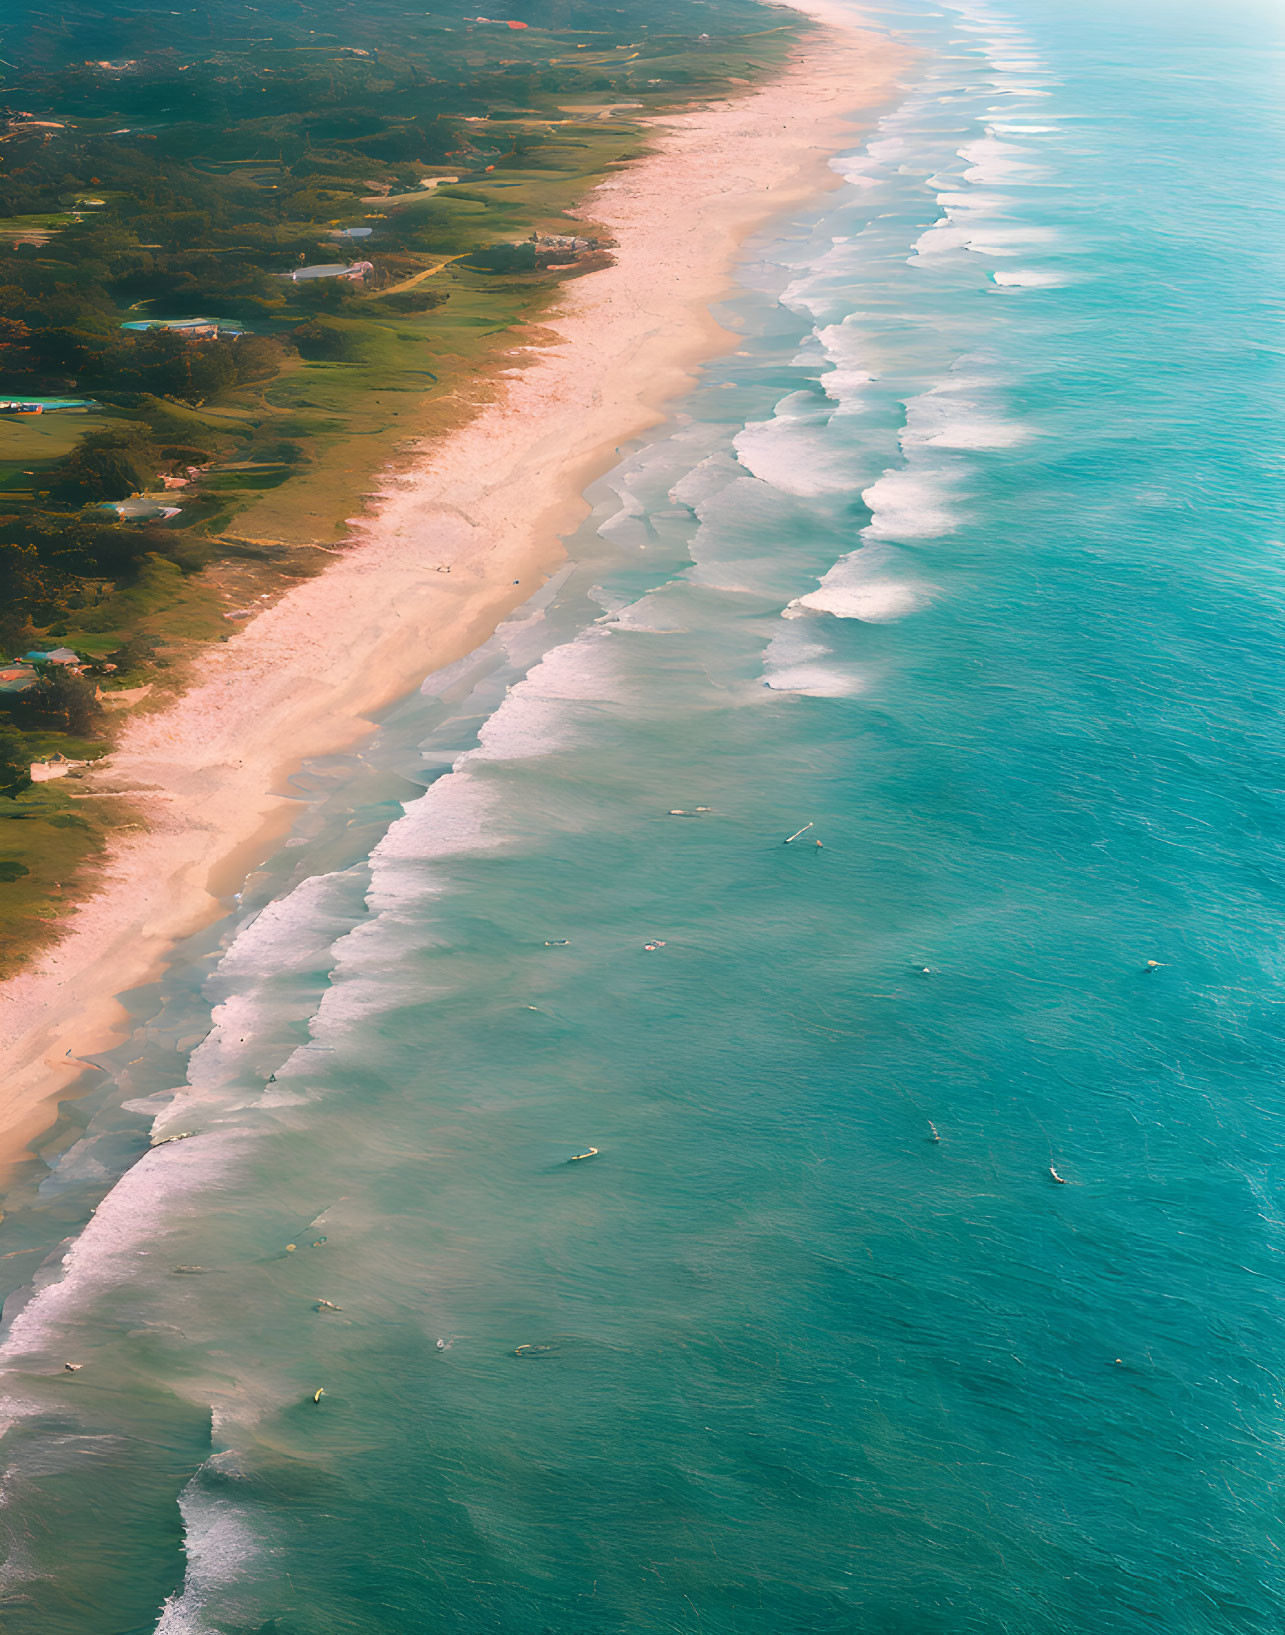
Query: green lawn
(49, 840)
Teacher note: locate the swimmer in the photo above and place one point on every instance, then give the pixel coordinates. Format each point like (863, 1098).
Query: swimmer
(651, 947)
(326, 1305)
(441, 1345)
(73, 1368)
(1152, 965)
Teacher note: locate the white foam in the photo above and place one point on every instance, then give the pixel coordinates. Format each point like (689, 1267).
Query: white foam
(950, 417)
(1006, 241)
(452, 817)
(909, 504)
(809, 292)
(862, 586)
(727, 549)
(879, 602)
(790, 666)
(703, 481)
(644, 616)
(128, 1224)
(791, 452)
(814, 681)
(992, 161)
(1027, 278)
(845, 382)
(218, 1544)
(1025, 92)
(856, 170)
(941, 237)
(538, 715)
(965, 216)
(972, 206)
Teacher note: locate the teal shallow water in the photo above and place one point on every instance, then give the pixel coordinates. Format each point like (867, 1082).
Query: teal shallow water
(971, 558)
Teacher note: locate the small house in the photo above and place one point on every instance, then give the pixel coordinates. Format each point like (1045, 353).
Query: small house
(354, 272)
(54, 655)
(141, 509)
(190, 329)
(43, 405)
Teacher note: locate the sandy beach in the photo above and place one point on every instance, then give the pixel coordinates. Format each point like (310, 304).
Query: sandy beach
(491, 502)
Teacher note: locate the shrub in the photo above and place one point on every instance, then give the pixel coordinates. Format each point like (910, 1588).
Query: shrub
(420, 300)
(68, 699)
(107, 465)
(15, 763)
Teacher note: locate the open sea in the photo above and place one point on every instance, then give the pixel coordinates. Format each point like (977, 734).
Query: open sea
(969, 557)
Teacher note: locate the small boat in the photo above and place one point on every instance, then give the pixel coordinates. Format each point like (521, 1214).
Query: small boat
(577, 1157)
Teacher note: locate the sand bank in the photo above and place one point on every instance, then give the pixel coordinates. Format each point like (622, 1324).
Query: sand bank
(491, 501)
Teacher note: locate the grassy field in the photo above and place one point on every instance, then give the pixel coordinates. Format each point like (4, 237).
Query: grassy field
(49, 841)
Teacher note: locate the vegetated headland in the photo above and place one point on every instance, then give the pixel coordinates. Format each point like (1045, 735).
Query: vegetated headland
(578, 277)
(245, 252)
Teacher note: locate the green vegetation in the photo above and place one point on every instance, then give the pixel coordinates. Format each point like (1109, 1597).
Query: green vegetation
(48, 839)
(157, 168)
(15, 761)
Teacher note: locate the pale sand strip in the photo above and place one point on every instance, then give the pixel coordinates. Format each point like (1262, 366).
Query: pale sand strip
(493, 500)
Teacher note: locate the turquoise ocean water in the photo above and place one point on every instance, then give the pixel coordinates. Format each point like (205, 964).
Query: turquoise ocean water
(970, 557)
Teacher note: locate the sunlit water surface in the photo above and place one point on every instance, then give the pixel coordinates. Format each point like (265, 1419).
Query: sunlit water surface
(969, 558)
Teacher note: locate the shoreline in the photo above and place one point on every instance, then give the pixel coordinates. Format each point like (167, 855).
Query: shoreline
(492, 501)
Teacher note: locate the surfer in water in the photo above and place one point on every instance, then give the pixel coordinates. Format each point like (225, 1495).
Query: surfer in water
(1060, 1179)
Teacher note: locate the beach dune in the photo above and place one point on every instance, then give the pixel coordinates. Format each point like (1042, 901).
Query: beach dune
(491, 501)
